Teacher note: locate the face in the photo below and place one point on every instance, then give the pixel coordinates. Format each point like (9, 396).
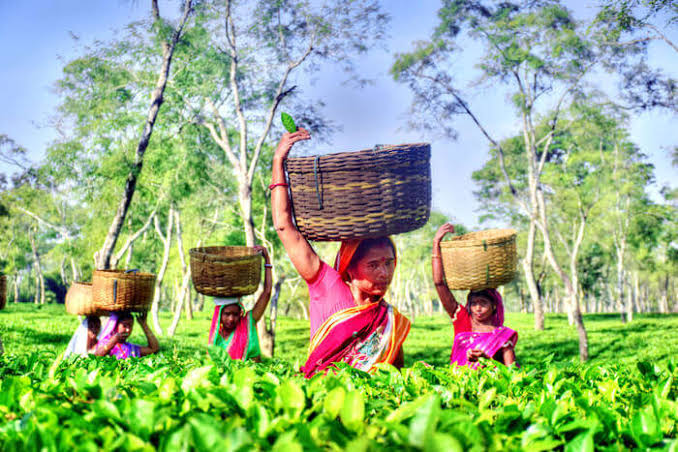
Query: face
(93, 329)
(482, 308)
(125, 326)
(373, 273)
(230, 315)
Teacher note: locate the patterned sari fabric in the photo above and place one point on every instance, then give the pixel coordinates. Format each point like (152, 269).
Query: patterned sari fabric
(360, 336)
(466, 339)
(120, 351)
(242, 343)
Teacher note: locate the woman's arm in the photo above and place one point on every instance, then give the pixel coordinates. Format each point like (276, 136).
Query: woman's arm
(153, 345)
(105, 349)
(260, 306)
(399, 362)
(304, 259)
(446, 297)
(509, 355)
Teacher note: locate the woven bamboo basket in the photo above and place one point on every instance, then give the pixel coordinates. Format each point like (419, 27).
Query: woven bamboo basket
(225, 271)
(369, 193)
(119, 290)
(3, 291)
(480, 260)
(79, 300)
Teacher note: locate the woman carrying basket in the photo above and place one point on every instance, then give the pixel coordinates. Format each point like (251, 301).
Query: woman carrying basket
(114, 336)
(235, 330)
(350, 321)
(479, 330)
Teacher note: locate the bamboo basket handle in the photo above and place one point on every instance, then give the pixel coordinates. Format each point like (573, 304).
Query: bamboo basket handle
(317, 184)
(132, 270)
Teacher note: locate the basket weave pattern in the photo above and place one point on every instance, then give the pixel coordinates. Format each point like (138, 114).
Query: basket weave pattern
(3, 291)
(480, 260)
(79, 300)
(363, 194)
(117, 290)
(225, 271)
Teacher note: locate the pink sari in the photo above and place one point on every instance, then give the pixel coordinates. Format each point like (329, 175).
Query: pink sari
(466, 339)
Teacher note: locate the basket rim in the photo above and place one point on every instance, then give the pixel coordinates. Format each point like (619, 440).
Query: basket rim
(208, 253)
(121, 274)
(480, 238)
(357, 157)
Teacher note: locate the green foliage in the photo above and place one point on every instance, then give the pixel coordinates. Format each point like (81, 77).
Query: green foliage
(186, 399)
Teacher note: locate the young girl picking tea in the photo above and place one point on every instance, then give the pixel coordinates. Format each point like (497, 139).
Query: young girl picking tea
(114, 336)
(479, 330)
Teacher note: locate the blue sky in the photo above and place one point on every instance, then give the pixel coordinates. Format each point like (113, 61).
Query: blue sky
(35, 39)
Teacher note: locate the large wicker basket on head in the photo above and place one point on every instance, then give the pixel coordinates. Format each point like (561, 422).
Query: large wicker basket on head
(225, 271)
(480, 260)
(79, 300)
(119, 290)
(3, 291)
(370, 193)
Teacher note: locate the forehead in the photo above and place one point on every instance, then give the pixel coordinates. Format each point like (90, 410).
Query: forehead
(378, 253)
(481, 299)
(231, 309)
(127, 321)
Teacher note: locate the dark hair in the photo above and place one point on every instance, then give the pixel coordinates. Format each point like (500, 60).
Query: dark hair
(367, 244)
(93, 318)
(126, 315)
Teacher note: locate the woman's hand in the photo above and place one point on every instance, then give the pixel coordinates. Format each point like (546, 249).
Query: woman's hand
(264, 252)
(447, 228)
(141, 317)
(120, 338)
(287, 141)
(475, 354)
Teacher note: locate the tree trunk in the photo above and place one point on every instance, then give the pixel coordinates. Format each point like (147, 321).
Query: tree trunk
(570, 290)
(39, 277)
(629, 303)
(17, 283)
(185, 266)
(620, 280)
(528, 271)
(74, 270)
(664, 299)
(268, 336)
(104, 255)
(166, 240)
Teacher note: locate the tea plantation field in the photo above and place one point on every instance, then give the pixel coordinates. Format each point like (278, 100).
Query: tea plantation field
(186, 399)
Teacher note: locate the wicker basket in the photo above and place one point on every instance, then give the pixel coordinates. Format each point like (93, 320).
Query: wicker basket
(369, 193)
(3, 291)
(118, 290)
(480, 260)
(79, 300)
(225, 271)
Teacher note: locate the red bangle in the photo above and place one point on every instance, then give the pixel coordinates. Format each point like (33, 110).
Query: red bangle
(279, 184)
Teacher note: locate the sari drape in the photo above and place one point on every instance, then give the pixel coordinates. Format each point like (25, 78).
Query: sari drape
(360, 336)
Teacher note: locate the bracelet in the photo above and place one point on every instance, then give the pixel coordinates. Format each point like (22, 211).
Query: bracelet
(433, 256)
(279, 184)
(268, 266)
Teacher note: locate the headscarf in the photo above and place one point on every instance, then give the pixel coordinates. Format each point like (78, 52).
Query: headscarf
(347, 251)
(78, 343)
(219, 303)
(120, 351)
(462, 323)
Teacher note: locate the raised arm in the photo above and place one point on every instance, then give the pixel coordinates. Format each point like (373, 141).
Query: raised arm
(300, 252)
(105, 349)
(260, 306)
(153, 345)
(446, 297)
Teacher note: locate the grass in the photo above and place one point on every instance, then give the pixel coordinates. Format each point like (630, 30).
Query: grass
(25, 328)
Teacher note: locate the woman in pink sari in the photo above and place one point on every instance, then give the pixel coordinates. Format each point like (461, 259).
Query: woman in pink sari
(235, 330)
(114, 336)
(479, 330)
(350, 321)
